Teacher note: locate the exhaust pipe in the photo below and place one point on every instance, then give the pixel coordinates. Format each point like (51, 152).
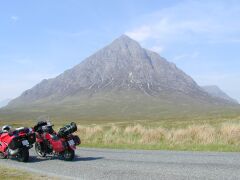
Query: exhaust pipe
(13, 152)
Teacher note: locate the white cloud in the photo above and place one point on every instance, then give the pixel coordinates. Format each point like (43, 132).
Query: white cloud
(14, 18)
(141, 33)
(185, 56)
(189, 20)
(158, 49)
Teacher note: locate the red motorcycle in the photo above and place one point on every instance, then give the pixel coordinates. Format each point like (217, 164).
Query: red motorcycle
(62, 144)
(16, 143)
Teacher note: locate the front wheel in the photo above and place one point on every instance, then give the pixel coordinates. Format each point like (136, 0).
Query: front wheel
(38, 149)
(23, 155)
(68, 154)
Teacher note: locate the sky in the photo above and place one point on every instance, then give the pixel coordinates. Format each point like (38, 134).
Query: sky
(41, 39)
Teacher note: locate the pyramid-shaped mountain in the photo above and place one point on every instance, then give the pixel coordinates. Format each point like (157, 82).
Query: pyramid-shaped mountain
(121, 80)
(123, 65)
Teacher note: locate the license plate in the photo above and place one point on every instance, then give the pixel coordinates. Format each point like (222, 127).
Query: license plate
(71, 143)
(25, 143)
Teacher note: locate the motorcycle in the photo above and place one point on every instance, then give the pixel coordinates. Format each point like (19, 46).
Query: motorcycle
(62, 144)
(16, 143)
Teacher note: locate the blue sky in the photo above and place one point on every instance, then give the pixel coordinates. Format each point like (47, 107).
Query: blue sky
(41, 39)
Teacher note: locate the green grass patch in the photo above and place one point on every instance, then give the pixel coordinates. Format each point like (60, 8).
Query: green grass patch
(15, 174)
(189, 147)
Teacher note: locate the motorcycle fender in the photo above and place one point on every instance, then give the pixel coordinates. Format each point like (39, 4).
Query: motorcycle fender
(3, 147)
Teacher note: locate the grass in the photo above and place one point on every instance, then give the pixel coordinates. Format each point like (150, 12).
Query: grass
(14, 174)
(194, 134)
(205, 137)
(191, 147)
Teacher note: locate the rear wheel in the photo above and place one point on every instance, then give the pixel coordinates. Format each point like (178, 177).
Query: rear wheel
(68, 155)
(2, 156)
(23, 155)
(38, 149)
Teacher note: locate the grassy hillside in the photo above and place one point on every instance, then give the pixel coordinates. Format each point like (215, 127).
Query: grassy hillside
(124, 107)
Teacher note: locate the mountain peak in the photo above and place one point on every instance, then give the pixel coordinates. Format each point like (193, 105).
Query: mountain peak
(125, 38)
(125, 42)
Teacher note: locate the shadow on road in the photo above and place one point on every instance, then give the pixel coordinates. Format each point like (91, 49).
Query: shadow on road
(35, 159)
(77, 158)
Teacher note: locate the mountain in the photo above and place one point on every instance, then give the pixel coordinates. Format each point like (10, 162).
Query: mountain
(120, 81)
(123, 65)
(217, 92)
(4, 102)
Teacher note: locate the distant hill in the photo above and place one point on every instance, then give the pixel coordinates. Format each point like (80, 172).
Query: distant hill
(120, 81)
(217, 92)
(4, 102)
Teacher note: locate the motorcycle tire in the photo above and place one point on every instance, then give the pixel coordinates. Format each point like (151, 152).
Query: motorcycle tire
(2, 156)
(38, 149)
(68, 155)
(23, 155)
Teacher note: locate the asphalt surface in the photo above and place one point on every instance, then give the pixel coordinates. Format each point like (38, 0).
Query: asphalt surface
(136, 164)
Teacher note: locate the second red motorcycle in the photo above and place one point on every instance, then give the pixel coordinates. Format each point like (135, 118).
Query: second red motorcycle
(62, 144)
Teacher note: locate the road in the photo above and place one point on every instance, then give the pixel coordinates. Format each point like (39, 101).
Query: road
(136, 164)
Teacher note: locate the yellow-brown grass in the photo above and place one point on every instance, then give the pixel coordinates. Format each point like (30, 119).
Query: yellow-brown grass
(223, 134)
(230, 133)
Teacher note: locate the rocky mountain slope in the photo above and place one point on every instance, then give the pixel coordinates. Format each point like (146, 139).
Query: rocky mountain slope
(121, 80)
(123, 65)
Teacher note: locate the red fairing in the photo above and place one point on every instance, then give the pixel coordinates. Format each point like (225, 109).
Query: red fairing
(57, 143)
(5, 140)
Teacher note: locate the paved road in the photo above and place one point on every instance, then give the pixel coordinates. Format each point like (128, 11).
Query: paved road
(137, 164)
